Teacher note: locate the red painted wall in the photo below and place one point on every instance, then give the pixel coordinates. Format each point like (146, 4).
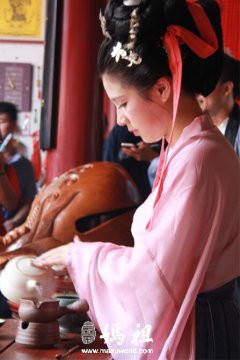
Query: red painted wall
(230, 10)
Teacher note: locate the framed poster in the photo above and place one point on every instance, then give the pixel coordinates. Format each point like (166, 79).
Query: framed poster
(16, 84)
(22, 20)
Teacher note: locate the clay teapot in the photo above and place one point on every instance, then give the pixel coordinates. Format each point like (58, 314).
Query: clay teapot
(47, 310)
(20, 278)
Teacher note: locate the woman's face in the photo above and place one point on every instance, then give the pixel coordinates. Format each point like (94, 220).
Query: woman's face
(147, 117)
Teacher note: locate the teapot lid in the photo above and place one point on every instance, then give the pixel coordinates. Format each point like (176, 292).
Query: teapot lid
(24, 264)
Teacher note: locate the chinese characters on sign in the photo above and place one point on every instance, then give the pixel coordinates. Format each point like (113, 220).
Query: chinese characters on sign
(16, 84)
(21, 19)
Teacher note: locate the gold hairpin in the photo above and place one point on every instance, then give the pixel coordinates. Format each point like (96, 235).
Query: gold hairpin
(132, 2)
(134, 26)
(103, 25)
(126, 52)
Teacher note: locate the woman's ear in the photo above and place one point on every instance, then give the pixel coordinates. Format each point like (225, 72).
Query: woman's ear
(163, 89)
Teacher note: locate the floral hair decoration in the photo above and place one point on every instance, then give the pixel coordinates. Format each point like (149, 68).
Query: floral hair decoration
(125, 51)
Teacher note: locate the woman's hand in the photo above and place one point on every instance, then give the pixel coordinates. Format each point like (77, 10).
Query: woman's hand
(56, 256)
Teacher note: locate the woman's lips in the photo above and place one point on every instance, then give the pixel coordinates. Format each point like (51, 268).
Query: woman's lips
(133, 131)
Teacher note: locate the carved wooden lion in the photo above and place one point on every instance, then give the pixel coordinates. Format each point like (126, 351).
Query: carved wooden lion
(69, 204)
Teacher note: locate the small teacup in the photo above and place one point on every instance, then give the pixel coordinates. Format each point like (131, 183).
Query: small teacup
(72, 322)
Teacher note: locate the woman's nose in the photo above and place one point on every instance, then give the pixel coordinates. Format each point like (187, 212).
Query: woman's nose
(121, 120)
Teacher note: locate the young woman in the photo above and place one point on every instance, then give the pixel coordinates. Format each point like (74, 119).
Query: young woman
(177, 283)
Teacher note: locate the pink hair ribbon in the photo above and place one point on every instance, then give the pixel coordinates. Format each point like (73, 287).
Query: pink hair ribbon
(203, 47)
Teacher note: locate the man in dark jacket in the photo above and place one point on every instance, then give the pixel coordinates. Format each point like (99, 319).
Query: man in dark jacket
(22, 166)
(221, 103)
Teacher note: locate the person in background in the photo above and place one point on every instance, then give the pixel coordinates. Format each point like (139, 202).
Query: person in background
(9, 190)
(152, 170)
(22, 166)
(136, 167)
(221, 103)
(237, 143)
(171, 295)
(148, 153)
(9, 199)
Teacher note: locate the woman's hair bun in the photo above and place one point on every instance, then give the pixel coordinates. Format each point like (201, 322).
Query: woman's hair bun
(199, 75)
(150, 14)
(175, 12)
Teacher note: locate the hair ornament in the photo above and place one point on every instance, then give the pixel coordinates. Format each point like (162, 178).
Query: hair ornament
(134, 26)
(132, 2)
(126, 52)
(119, 52)
(203, 46)
(104, 26)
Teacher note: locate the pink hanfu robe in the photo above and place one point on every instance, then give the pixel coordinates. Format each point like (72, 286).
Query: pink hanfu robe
(191, 246)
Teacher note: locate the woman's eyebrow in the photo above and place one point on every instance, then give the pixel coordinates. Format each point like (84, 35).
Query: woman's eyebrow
(117, 98)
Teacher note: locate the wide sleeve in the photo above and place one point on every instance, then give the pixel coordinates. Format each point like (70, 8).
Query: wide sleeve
(156, 282)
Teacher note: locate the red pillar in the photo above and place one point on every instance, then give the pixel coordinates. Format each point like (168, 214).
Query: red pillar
(79, 123)
(230, 12)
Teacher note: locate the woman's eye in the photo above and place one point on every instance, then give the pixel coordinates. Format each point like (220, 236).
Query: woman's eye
(122, 105)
